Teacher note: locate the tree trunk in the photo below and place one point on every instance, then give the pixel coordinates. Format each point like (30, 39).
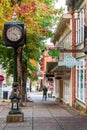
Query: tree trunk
(19, 68)
(24, 80)
(30, 85)
(22, 76)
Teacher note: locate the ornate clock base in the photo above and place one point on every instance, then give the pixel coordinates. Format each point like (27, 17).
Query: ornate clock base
(15, 118)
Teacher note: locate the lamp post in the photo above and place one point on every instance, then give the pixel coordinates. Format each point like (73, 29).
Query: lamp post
(14, 35)
(15, 97)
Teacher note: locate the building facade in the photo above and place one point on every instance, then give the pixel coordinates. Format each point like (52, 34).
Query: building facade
(43, 74)
(63, 79)
(69, 36)
(79, 86)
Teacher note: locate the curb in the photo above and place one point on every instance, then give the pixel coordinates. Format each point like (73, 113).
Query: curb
(4, 100)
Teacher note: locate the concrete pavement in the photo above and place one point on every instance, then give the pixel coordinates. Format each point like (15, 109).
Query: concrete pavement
(45, 115)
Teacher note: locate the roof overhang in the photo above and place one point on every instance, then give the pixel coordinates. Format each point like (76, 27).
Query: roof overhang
(62, 25)
(74, 3)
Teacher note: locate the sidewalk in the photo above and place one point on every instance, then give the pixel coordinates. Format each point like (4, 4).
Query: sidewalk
(45, 115)
(3, 105)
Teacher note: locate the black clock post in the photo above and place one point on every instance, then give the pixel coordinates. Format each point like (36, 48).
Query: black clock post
(14, 35)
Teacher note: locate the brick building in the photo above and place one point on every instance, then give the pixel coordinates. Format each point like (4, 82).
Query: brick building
(71, 81)
(45, 60)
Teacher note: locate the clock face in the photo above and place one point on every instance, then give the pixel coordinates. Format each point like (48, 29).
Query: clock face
(14, 33)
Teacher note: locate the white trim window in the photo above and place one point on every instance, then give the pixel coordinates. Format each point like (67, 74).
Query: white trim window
(81, 81)
(80, 27)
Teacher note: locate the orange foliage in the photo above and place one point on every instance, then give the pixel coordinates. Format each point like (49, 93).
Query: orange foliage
(31, 12)
(33, 62)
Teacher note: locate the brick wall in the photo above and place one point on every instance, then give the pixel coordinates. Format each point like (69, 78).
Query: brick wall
(74, 55)
(86, 59)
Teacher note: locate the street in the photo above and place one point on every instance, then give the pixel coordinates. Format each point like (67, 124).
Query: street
(49, 115)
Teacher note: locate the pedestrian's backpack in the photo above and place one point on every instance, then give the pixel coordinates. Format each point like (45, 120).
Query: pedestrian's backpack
(45, 89)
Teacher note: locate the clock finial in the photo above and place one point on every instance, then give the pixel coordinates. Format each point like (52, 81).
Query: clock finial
(14, 17)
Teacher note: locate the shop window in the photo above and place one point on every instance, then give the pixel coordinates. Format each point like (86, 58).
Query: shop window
(80, 27)
(81, 81)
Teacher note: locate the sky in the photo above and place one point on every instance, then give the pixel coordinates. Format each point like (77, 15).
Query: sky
(60, 3)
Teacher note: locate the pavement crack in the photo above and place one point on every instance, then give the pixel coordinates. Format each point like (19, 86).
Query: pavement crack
(33, 118)
(58, 123)
(3, 126)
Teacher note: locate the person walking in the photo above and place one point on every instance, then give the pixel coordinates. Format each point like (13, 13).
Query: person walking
(45, 92)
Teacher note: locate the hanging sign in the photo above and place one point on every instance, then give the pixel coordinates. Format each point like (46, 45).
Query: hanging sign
(54, 53)
(69, 62)
(1, 78)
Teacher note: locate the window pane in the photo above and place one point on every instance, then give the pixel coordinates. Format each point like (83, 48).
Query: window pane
(80, 27)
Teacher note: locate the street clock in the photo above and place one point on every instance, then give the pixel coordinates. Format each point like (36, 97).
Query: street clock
(14, 34)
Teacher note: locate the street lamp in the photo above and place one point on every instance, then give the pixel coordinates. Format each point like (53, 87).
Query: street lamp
(14, 35)
(76, 14)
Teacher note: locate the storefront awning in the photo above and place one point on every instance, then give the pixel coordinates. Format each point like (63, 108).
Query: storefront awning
(53, 67)
(60, 69)
(50, 66)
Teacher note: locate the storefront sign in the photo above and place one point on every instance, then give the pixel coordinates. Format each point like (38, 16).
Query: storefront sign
(69, 62)
(40, 77)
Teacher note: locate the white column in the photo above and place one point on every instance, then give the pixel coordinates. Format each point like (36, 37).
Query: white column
(56, 88)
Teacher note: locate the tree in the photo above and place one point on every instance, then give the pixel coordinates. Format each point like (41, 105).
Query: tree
(38, 17)
(37, 21)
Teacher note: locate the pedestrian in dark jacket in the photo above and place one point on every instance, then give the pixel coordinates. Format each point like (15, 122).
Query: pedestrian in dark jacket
(45, 92)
